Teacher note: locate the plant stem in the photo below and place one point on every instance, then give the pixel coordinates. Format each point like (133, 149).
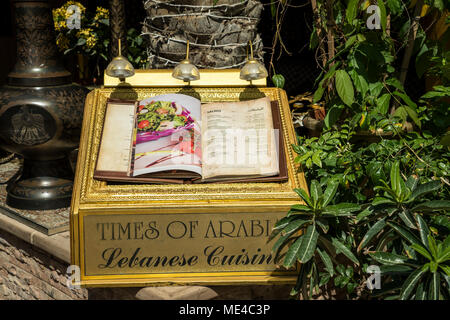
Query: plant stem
(330, 37)
(318, 24)
(411, 39)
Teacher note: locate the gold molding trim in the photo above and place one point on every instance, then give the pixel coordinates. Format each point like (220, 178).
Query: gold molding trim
(163, 78)
(92, 195)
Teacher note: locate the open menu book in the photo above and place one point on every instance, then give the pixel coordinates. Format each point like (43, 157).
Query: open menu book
(171, 137)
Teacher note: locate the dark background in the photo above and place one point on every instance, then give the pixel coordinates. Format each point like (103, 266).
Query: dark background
(299, 68)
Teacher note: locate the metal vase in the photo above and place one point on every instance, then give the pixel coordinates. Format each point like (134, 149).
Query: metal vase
(40, 113)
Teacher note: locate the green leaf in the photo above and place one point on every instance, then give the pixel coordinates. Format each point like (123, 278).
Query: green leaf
(351, 10)
(326, 261)
(292, 253)
(308, 245)
(302, 193)
(330, 192)
(333, 115)
(305, 156)
(425, 188)
(423, 251)
(278, 80)
(283, 222)
(396, 178)
(293, 226)
(388, 258)
(433, 205)
(410, 283)
(365, 213)
(81, 42)
(412, 239)
(443, 257)
(406, 99)
(446, 269)
(350, 41)
(407, 219)
(401, 113)
(300, 207)
(323, 224)
(341, 209)
(379, 201)
(438, 4)
(395, 6)
(383, 103)
(421, 293)
(411, 182)
(324, 279)
(423, 229)
(316, 159)
(434, 286)
(375, 88)
(413, 115)
(395, 268)
(273, 8)
(279, 243)
(359, 81)
(383, 19)
(344, 87)
(432, 246)
(316, 191)
(340, 247)
(320, 90)
(374, 230)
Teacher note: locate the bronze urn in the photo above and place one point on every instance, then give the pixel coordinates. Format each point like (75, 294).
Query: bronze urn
(40, 113)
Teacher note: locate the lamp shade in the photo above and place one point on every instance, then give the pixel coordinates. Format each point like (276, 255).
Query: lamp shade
(120, 67)
(253, 70)
(186, 71)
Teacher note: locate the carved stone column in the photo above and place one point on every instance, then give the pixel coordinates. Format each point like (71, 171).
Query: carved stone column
(118, 27)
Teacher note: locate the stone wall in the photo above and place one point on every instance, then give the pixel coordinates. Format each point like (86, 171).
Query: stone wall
(31, 274)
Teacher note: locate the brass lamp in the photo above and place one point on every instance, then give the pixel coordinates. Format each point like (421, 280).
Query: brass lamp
(120, 67)
(253, 69)
(185, 70)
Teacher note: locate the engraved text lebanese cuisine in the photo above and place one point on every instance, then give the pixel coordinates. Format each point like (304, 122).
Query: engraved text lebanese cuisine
(152, 243)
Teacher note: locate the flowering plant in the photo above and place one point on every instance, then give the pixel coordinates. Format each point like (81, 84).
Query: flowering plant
(89, 37)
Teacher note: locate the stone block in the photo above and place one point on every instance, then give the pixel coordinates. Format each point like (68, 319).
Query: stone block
(176, 293)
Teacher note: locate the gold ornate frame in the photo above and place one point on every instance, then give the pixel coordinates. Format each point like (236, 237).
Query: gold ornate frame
(92, 196)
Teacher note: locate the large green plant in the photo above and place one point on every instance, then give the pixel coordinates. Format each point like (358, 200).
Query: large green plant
(308, 231)
(360, 76)
(401, 202)
(371, 176)
(421, 271)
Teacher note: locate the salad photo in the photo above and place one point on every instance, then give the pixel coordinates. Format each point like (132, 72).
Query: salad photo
(167, 134)
(161, 118)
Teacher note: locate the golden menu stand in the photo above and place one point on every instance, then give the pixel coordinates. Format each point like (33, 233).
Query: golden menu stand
(184, 234)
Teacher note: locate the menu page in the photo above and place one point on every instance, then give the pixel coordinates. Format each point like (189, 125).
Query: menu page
(115, 147)
(238, 139)
(167, 135)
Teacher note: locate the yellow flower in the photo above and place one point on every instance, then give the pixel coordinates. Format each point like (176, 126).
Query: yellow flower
(62, 42)
(71, 3)
(91, 42)
(101, 13)
(91, 39)
(60, 15)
